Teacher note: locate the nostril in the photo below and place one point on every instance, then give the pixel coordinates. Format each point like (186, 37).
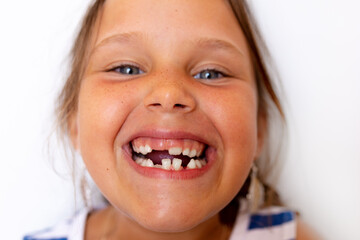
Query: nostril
(178, 105)
(156, 104)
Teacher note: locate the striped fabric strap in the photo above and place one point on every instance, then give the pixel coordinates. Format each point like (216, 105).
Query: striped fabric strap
(268, 220)
(31, 238)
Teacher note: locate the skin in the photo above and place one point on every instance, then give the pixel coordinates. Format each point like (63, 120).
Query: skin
(170, 43)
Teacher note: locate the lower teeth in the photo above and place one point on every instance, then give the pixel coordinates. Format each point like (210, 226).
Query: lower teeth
(168, 164)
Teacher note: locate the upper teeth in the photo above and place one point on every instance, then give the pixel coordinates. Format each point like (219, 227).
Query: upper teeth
(175, 151)
(172, 151)
(144, 149)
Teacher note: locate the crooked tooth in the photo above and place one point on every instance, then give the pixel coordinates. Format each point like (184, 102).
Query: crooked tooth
(191, 164)
(142, 150)
(186, 152)
(145, 149)
(166, 163)
(148, 148)
(198, 153)
(175, 151)
(136, 149)
(176, 164)
(149, 163)
(198, 164)
(143, 163)
(192, 153)
(158, 166)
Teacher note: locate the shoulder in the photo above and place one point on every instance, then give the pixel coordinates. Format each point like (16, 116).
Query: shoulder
(305, 232)
(72, 229)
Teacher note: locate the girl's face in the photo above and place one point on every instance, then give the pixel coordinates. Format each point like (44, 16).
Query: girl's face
(174, 76)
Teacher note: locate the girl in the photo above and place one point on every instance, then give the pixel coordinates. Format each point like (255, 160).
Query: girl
(168, 103)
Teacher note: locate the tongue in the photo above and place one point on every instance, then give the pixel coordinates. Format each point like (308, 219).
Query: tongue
(157, 156)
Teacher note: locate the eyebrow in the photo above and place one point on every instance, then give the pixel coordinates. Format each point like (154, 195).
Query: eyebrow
(133, 37)
(214, 43)
(127, 38)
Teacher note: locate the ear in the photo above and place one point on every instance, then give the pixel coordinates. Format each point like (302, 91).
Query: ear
(73, 131)
(261, 132)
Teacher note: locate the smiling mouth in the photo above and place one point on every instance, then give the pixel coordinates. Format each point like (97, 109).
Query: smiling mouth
(169, 154)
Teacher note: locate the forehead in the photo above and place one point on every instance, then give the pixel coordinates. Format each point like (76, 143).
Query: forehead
(167, 22)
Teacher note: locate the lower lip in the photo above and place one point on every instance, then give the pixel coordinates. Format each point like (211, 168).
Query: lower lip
(183, 174)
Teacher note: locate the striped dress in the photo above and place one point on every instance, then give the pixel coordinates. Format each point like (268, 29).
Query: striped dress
(272, 223)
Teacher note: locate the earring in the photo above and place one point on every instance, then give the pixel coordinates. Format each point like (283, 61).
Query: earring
(255, 194)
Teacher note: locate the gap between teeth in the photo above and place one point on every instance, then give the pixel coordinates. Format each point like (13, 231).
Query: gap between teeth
(167, 164)
(172, 151)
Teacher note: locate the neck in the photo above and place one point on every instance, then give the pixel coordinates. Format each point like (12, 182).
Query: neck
(111, 224)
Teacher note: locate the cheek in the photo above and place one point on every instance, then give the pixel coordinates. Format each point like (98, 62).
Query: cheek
(240, 124)
(103, 108)
(234, 113)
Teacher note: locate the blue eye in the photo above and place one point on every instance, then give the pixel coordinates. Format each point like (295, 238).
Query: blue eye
(128, 70)
(209, 74)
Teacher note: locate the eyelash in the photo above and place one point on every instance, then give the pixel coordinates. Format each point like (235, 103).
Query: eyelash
(219, 74)
(137, 72)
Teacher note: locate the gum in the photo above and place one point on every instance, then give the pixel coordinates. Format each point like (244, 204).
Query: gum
(165, 144)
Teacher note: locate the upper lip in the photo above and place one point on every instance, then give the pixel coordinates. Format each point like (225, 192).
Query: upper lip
(167, 134)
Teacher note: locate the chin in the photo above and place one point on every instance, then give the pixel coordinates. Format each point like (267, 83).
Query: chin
(170, 220)
(173, 223)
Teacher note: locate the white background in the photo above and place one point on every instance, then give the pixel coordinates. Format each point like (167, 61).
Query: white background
(316, 46)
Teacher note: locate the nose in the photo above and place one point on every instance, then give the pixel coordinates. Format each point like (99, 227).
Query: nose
(170, 96)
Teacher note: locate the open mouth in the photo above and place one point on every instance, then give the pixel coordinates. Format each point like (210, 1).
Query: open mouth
(169, 154)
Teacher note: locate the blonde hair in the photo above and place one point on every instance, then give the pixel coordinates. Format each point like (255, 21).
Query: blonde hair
(269, 106)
